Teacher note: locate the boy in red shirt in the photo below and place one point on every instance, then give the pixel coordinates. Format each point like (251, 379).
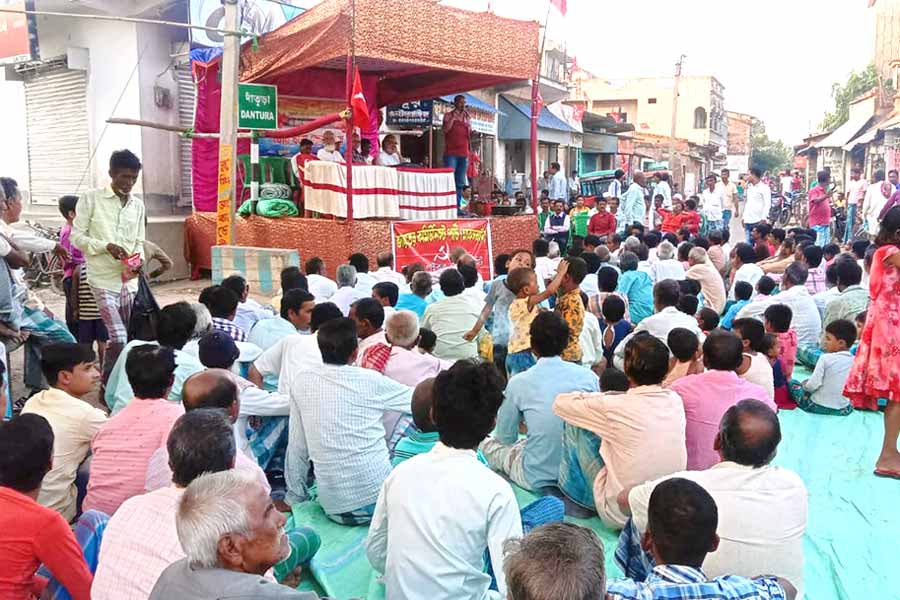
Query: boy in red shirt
(690, 218)
(31, 534)
(671, 219)
(603, 223)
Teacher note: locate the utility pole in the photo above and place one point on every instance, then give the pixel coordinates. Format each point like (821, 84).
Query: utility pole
(674, 115)
(228, 127)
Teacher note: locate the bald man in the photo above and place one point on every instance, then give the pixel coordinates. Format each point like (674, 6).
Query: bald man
(386, 272)
(212, 388)
(762, 508)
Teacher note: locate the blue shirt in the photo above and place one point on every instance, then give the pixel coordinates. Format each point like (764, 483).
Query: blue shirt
(731, 313)
(531, 394)
(417, 304)
(675, 582)
(268, 332)
(638, 286)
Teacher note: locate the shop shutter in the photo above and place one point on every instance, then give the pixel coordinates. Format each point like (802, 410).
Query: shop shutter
(187, 98)
(58, 141)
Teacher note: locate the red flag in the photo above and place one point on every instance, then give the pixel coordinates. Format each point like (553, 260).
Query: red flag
(560, 6)
(358, 104)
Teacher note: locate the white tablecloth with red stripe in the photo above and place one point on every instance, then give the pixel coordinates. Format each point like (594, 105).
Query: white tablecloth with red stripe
(389, 192)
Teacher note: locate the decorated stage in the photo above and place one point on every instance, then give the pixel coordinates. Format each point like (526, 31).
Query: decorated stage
(333, 240)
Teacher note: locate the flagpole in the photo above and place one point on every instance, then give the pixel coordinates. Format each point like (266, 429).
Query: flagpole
(535, 113)
(348, 154)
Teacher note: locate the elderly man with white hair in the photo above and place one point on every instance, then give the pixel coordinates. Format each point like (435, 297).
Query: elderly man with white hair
(667, 265)
(231, 535)
(712, 286)
(398, 359)
(347, 293)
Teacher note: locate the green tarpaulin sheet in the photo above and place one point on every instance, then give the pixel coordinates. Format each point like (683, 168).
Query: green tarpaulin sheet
(850, 540)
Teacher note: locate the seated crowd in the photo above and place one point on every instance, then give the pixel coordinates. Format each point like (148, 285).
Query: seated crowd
(638, 378)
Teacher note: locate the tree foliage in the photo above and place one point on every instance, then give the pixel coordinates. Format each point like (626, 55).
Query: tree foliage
(856, 85)
(768, 154)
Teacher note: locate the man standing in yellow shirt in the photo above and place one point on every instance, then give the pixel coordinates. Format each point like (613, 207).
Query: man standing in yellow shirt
(730, 195)
(108, 228)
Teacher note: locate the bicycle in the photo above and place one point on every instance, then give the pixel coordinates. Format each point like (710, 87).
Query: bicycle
(45, 268)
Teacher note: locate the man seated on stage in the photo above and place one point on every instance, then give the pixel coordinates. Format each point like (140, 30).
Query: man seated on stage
(389, 156)
(762, 508)
(329, 152)
(298, 163)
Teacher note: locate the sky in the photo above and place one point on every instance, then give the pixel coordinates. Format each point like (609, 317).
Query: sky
(776, 58)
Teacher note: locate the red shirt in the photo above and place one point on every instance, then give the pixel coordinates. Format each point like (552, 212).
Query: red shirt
(456, 138)
(31, 534)
(819, 208)
(602, 224)
(671, 222)
(691, 220)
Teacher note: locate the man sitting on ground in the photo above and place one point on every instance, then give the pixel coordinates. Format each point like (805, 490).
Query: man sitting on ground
(347, 292)
(418, 559)
(386, 293)
(420, 288)
(667, 317)
(222, 304)
(296, 311)
(71, 371)
(347, 446)
(762, 508)
(134, 554)
(249, 311)
(452, 318)
(853, 298)
(212, 388)
(711, 284)
(533, 462)
(123, 446)
(368, 314)
(385, 271)
(641, 431)
(291, 279)
(173, 330)
(708, 395)
(231, 535)
(682, 521)
(806, 320)
(31, 534)
(319, 284)
(398, 358)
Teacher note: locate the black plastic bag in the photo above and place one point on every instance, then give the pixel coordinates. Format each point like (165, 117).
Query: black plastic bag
(144, 313)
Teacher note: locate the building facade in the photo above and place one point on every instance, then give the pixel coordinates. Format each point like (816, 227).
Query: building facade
(739, 146)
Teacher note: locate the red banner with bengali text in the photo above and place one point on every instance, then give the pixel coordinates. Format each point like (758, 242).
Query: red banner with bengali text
(432, 242)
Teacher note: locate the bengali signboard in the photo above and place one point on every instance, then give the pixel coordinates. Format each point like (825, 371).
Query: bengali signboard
(257, 106)
(431, 242)
(409, 115)
(18, 33)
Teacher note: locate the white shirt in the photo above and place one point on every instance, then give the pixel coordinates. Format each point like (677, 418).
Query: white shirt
(659, 325)
(545, 268)
(750, 273)
(388, 274)
(856, 191)
(785, 184)
(476, 295)
(663, 188)
(411, 367)
(759, 200)
(873, 202)
(806, 320)
(590, 340)
(433, 548)
(366, 343)
(713, 203)
(666, 269)
(762, 518)
(388, 160)
(333, 156)
(589, 285)
(255, 402)
(822, 298)
(321, 287)
(291, 354)
(760, 373)
(558, 186)
(336, 421)
(346, 296)
(365, 282)
(827, 380)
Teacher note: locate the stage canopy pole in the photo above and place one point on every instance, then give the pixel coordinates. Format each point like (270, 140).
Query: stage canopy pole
(349, 141)
(228, 128)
